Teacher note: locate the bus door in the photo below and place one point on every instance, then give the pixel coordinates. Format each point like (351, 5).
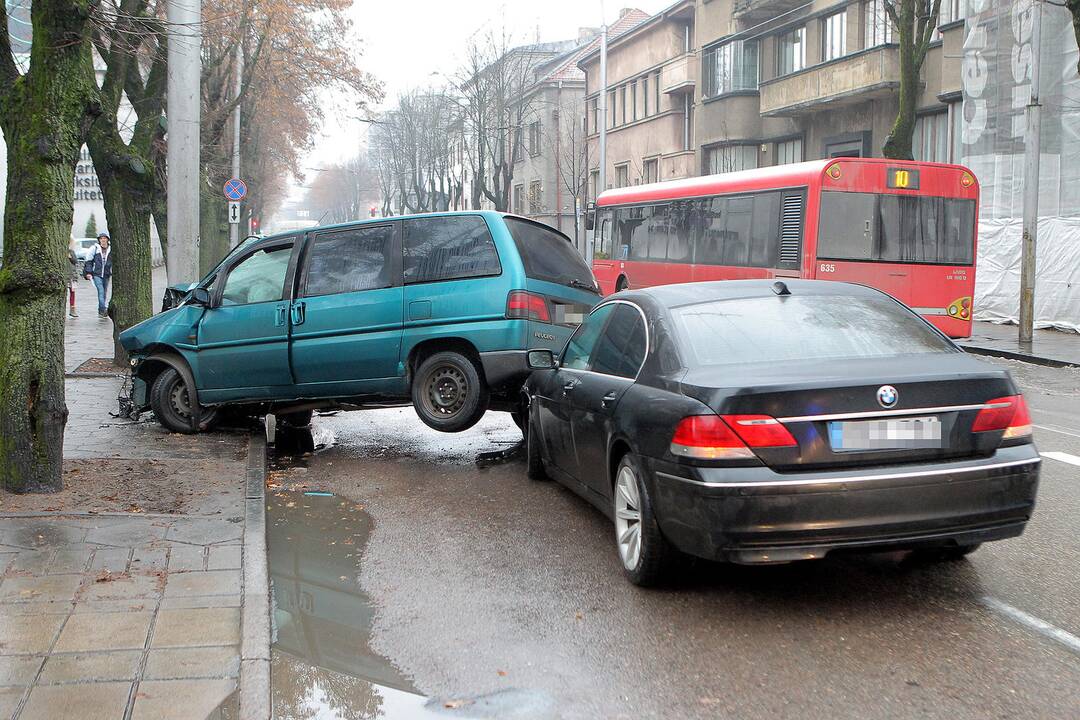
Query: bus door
(859, 241)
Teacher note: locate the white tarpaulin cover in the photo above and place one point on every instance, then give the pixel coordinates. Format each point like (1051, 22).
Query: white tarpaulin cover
(1057, 274)
(996, 83)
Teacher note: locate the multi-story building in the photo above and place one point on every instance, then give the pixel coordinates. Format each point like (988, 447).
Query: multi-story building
(651, 78)
(790, 80)
(552, 145)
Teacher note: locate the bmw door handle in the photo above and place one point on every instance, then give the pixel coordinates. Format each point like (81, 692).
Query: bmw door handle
(608, 399)
(569, 387)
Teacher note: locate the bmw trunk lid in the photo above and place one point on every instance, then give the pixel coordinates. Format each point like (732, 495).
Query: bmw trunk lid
(864, 411)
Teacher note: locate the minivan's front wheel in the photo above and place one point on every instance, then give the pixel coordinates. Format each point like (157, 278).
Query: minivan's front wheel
(171, 403)
(448, 392)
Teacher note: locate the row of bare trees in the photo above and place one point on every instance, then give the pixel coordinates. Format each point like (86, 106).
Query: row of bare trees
(455, 146)
(87, 58)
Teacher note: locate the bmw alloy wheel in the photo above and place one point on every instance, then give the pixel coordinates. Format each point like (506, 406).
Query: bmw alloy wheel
(628, 517)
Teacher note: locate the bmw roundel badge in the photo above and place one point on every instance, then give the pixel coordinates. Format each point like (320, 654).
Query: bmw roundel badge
(887, 396)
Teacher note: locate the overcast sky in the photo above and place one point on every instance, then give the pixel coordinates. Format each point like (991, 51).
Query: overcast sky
(405, 41)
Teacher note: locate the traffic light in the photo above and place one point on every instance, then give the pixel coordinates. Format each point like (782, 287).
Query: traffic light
(254, 225)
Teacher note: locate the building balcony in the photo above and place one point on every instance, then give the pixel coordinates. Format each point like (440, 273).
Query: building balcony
(680, 75)
(755, 11)
(862, 76)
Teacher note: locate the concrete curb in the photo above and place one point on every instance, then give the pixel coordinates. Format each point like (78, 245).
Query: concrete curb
(1011, 355)
(254, 683)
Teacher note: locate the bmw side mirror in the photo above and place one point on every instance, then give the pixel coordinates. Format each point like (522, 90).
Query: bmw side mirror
(200, 296)
(541, 359)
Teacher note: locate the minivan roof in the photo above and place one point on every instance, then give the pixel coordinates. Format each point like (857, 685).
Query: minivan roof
(449, 213)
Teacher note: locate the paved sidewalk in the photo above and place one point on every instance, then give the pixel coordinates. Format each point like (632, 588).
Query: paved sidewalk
(1048, 347)
(139, 614)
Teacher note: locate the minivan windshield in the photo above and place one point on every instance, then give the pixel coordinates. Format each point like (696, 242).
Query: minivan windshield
(548, 255)
(793, 328)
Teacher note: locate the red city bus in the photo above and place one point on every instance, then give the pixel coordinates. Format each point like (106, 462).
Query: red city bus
(907, 228)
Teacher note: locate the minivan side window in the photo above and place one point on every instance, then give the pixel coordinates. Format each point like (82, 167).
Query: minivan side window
(351, 260)
(448, 248)
(258, 278)
(582, 342)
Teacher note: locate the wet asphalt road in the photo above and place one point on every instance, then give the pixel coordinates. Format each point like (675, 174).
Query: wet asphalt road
(480, 581)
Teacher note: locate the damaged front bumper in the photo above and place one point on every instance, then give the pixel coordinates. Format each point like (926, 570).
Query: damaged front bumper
(134, 395)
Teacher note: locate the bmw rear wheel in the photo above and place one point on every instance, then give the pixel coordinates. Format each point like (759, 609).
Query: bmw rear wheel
(645, 554)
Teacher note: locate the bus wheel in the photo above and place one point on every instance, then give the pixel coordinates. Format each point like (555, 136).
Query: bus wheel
(622, 284)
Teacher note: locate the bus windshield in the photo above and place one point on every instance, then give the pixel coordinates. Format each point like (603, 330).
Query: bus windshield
(896, 228)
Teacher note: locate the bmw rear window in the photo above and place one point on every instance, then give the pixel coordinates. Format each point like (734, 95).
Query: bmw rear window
(548, 255)
(793, 328)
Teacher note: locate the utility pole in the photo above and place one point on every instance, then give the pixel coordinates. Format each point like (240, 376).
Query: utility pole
(183, 103)
(1031, 184)
(234, 228)
(601, 111)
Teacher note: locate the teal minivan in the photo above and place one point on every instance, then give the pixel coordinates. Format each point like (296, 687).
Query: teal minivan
(435, 310)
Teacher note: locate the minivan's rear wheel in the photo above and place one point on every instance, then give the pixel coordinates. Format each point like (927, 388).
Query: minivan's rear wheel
(646, 555)
(171, 403)
(448, 392)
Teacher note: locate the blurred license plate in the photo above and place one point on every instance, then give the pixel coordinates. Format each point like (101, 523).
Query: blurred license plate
(570, 314)
(895, 434)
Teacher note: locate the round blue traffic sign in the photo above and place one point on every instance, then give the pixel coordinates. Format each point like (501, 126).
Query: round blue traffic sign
(235, 189)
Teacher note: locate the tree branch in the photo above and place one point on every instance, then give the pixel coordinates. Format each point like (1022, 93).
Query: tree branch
(9, 71)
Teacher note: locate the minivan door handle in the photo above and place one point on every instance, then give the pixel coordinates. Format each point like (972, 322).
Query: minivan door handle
(608, 399)
(298, 313)
(279, 319)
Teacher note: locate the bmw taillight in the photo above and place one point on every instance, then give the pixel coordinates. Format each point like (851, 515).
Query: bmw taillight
(1008, 413)
(728, 437)
(527, 306)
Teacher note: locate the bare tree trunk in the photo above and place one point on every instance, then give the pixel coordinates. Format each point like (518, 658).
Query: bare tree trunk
(44, 118)
(1074, 8)
(898, 144)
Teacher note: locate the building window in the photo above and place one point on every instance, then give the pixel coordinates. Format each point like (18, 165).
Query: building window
(789, 151)
(633, 100)
(952, 10)
(534, 138)
(611, 108)
(536, 194)
(594, 106)
(729, 158)
(729, 67)
(622, 175)
(931, 140)
(519, 199)
(879, 28)
(645, 94)
(656, 91)
(622, 105)
(791, 51)
(834, 36)
(650, 170)
(519, 140)
(594, 184)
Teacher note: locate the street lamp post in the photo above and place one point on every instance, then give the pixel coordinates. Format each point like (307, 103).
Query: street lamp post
(1031, 186)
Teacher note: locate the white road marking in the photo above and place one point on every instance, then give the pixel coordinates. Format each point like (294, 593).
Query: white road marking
(1042, 627)
(1057, 429)
(1062, 457)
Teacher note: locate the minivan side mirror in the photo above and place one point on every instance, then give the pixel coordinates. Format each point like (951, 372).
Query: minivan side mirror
(540, 359)
(200, 296)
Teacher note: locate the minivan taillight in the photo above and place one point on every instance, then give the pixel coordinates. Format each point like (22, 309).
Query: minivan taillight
(1008, 413)
(527, 306)
(731, 437)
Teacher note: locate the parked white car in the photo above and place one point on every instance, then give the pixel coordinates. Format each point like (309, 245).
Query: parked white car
(84, 248)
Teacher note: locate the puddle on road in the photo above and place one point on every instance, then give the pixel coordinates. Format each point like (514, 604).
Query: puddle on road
(322, 663)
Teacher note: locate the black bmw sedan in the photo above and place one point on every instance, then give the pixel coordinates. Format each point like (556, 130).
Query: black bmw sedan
(759, 422)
